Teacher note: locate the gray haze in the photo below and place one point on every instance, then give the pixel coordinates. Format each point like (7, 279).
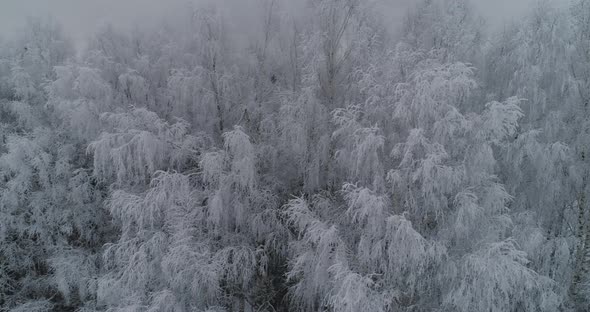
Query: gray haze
(81, 17)
(294, 155)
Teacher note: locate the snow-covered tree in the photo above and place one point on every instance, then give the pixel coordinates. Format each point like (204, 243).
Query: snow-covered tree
(274, 155)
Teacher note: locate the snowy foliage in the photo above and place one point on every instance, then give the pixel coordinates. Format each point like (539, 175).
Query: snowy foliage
(320, 248)
(138, 144)
(299, 155)
(496, 279)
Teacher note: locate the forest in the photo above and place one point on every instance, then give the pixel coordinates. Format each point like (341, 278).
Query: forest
(316, 160)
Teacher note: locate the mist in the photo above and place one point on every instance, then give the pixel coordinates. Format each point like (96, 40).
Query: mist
(310, 155)
(80, 19)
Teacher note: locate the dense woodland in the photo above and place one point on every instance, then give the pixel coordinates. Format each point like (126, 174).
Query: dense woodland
(316, 160)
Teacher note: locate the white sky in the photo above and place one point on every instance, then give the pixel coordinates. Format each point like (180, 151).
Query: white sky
(81, 18)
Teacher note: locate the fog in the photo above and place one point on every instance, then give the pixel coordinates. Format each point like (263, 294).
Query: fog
(80, 18)
(294, 155)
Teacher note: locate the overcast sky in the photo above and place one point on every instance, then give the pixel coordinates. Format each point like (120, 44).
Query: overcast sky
(81, 17)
